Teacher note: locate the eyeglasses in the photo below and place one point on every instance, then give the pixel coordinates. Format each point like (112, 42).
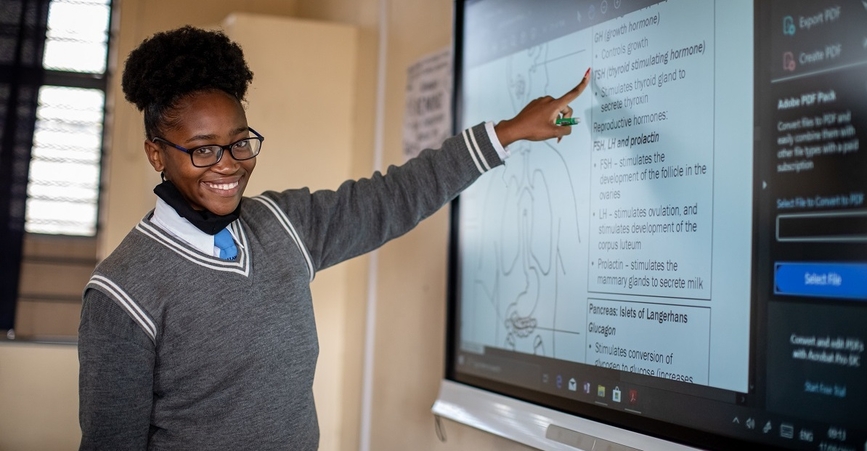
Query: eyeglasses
(211, 154)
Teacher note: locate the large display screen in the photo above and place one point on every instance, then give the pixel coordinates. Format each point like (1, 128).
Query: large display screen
(691, 262)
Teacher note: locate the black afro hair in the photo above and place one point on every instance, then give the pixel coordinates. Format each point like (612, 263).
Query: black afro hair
(173, 64)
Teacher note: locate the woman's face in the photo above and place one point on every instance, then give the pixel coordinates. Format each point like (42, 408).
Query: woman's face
(207, 117)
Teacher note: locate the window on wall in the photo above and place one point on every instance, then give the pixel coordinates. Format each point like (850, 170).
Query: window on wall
(64, 180)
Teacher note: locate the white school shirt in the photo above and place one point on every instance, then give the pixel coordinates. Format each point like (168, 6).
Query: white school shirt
(166, 218)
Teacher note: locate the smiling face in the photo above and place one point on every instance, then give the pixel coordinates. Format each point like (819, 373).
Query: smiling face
(207, 117)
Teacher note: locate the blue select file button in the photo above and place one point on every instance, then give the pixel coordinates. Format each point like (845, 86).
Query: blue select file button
(834, 280)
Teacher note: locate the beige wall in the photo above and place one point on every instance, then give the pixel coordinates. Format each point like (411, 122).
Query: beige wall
(410, 276)
(411, 282)
(301, 100)
(38, 397)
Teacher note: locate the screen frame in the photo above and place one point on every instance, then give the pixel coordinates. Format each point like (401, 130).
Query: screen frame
(498, 408)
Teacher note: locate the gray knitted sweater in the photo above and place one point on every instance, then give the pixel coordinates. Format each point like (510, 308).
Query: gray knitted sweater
(181, 350)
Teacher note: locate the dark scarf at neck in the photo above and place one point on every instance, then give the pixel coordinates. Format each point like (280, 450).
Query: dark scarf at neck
(204, 220)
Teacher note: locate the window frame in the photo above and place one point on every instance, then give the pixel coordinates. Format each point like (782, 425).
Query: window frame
(86, 80)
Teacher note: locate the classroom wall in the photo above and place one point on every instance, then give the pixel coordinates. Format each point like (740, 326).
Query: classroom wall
(410, 278)
(301, 100)
(38, 397)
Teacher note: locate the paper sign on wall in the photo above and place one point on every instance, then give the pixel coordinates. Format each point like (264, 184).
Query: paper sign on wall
(427, 117)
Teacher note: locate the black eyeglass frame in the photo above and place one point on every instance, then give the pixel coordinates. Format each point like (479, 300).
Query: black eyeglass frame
(222, 150)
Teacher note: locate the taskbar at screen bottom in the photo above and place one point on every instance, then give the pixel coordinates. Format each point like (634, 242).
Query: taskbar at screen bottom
(697, 415)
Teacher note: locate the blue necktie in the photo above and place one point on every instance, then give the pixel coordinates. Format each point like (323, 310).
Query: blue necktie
(223, 240)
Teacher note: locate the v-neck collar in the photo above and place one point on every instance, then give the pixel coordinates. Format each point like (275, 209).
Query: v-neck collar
(241, 265)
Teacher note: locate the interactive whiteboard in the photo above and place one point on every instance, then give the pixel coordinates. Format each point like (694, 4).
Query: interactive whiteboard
(683, 262)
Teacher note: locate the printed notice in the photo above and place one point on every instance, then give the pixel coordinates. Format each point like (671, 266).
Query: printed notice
(652, 157)
(427, 117)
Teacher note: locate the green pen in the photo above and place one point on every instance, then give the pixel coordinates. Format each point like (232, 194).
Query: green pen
(568, 121)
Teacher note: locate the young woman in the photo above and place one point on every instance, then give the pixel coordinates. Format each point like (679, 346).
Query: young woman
(197, 332)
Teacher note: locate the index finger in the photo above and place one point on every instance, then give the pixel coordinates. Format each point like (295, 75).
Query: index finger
(577, 90)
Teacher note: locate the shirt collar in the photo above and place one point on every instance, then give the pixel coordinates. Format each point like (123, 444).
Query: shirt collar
(166, 218)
